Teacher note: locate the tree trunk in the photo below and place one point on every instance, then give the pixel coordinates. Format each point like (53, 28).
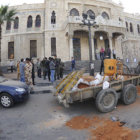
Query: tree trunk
(0, 40)
(0, 49)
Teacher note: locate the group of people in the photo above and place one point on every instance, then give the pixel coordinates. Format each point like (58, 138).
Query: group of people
(103, 53)
(51, 67)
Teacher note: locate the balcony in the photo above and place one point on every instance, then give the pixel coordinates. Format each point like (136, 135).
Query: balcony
(100, 21)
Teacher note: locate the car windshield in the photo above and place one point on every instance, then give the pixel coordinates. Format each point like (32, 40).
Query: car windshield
(2, 79)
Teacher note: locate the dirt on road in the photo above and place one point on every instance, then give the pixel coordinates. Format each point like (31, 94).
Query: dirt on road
(103, 129)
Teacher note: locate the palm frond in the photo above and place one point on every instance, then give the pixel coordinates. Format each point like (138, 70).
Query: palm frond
(10, 15)
(6, 15)
(4, 10)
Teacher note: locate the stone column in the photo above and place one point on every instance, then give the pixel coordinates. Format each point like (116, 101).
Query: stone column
(110, 44)
(71, 46)
(92, 43)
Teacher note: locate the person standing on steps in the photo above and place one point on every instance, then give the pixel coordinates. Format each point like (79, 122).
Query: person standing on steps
(18, 70)
(22, 70)
(57, 67)
(72, 64)
(61, 69)
(12, 65)
(44, 68)
(114, 53)
(48, 69)
(28, 73)
(52, 69)
(33, 72)
(38, 65)
(102, 53)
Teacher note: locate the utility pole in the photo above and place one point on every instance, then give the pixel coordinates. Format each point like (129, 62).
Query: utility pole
(89, 20)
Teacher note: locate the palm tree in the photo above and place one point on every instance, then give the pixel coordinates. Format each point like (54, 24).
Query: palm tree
(5, 15)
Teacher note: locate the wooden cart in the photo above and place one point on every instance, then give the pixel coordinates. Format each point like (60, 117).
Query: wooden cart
(106, 100)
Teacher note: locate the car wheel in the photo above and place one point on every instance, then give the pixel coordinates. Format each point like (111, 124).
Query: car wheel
(6, 100)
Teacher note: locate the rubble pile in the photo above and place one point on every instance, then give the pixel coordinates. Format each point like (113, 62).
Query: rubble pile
(103, 129)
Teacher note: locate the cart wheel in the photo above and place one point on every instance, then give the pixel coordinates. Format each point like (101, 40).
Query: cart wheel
(106, 100)
(129, 94)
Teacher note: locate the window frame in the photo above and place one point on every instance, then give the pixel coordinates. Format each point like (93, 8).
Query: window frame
(11, 52)
(30, 22)
(74, 12)
(38, 21)
(105, 15)
(16, 25)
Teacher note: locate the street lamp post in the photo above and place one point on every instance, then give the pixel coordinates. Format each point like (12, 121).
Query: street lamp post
(89, 20)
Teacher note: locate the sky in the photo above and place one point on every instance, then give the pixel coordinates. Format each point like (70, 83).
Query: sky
(130, 6)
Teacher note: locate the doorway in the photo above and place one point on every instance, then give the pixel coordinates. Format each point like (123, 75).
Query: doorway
(77, 49)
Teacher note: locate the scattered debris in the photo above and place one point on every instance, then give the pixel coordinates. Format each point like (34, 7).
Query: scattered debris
(115, 119)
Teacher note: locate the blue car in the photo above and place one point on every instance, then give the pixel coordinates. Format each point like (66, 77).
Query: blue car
(12, 91)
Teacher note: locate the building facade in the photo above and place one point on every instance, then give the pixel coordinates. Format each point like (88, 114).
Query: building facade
(54, 27)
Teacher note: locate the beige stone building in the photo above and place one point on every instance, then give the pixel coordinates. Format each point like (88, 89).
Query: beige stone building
(54, 27)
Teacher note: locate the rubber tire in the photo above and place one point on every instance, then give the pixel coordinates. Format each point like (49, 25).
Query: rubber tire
(126, 89)
(99, 100)
(11, 100)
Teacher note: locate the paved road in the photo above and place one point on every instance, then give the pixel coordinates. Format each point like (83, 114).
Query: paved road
(42, 118)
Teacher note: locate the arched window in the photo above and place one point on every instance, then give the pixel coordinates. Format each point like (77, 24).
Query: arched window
(138, 27)
(29, 22)
(38, 21)
(16, 23)
(74, 12)
(53, 18)
(127, 26)
(105, 15)
(8, 25)
(131, 28)
(91, 14)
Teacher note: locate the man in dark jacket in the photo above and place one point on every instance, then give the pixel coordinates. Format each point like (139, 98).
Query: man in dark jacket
(57, 67)
(33, 71)
(44, 68)
(61, 68)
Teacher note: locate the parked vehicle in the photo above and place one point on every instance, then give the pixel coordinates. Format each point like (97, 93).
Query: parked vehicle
(12, 91)
(106, 99)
